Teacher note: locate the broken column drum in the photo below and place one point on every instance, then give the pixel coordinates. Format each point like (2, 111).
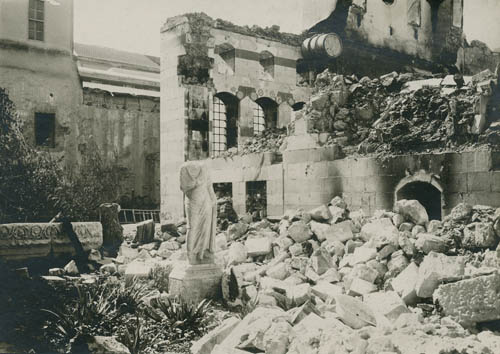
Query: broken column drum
(201, 278)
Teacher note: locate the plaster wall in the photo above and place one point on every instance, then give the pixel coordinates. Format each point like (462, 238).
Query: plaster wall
(58, 24)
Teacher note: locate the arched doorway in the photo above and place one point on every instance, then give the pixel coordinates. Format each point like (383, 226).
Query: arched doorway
(426, 193)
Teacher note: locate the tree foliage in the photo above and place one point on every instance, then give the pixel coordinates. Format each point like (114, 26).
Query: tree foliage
(34, 185)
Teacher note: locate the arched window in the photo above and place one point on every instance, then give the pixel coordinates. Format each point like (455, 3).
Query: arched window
(266, 60)
(265, 115)
(224, 122)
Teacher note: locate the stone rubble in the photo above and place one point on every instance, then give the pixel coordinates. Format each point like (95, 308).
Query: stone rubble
(362, 284)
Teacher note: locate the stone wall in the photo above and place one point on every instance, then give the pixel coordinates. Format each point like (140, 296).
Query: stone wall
(310, 177)
(127, 131)
(25, 241)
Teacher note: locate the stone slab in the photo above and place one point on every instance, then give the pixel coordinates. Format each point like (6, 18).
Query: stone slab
(21, 241)
(471, 301)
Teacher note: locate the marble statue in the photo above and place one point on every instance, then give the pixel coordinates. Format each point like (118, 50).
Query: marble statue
(201, 210)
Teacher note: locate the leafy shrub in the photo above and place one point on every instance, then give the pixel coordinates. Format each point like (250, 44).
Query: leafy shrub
(184, 319)
(96, 310)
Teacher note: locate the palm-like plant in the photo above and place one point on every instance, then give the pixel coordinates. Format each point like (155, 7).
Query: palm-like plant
(180, 316)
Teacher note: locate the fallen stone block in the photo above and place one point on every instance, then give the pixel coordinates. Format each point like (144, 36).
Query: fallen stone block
(101, 344)
(427, 243)
(145, 232)
(330, 276)
(237, 253)
(299, 231)
(235, 231)
(361, 287)
(341, 231)
(380, 232)
(417, 230)
(364, 272)
(296, 249)
(206, 344)
(321, 261)
(321, 214)
(354, 312)
(471, 301)
(276, 338)
(461, 212)
(363, 255)
(404, 284)
(298, 294)
(325, 290)
(435, 269)
(258, 246)
(297, 314)
(137, 269)
(386, 303)
(479, 235)
(71, 268)
(412, 210)
(322, 231)
(386, 251)
(280, 271)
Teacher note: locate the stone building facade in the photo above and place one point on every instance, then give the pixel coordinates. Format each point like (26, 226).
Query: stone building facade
(245, 70)
(74, 97)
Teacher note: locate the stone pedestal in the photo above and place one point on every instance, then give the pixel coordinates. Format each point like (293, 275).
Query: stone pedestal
(195, 282)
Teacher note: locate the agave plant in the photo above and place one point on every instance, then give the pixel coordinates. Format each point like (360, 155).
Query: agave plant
(180, 316)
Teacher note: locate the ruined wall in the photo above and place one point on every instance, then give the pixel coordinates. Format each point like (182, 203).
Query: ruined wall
(187, 94)
(127, 131)
(310, 177)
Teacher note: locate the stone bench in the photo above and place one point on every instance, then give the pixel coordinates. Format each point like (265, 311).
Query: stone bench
(38, 240)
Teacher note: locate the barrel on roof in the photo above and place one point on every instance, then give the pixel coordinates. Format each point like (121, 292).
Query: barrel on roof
(321, 45)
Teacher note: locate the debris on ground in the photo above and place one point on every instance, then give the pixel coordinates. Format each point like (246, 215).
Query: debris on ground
(395, 282)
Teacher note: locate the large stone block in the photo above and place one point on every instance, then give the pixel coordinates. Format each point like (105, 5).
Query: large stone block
(435, 269)
(471, 301)
(36, 240)
(195, 282)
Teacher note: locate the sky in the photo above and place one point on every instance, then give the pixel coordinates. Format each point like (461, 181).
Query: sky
(134, 25)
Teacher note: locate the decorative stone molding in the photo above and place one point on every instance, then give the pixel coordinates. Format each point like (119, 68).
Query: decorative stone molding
(37, 240)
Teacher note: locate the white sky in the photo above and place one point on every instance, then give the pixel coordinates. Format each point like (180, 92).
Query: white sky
(134, 25)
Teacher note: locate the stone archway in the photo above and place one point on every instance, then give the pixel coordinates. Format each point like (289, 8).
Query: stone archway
(424, 188)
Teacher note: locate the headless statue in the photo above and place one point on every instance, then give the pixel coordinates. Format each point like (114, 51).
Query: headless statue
(201, 211)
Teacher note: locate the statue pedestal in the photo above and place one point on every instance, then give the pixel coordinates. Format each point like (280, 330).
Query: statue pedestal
(194, 283)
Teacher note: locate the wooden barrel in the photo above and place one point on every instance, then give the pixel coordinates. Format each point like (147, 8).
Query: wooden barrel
(305, 48)
(320, 45)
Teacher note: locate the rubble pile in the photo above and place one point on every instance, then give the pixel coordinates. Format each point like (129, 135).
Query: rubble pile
(269, 140)
(397, 113)
(225, 212)
(330, 280)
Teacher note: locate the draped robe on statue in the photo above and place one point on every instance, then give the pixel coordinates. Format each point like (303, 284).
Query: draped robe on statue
(201, 211)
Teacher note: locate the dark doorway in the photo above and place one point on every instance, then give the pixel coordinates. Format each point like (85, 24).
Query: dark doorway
(256, 200)
(428, 195)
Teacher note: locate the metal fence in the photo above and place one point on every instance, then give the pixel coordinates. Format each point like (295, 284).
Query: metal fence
(132, 216)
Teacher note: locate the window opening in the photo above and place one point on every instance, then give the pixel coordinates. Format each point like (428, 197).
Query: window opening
(256, 200)
(36, 19)
(45, 129)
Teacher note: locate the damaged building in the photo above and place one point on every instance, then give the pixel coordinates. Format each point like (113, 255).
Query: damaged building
(227, 89)
(75, 98)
